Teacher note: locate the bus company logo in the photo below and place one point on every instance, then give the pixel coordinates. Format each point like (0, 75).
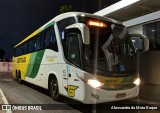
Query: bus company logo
(6, 107)
(21, 60)
(50, 58)
(71, 90)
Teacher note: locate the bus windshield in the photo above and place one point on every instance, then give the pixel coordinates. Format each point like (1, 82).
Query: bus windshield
(109, 51)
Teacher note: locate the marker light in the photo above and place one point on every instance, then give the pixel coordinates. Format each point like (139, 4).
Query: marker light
(96, 23)
(137, 81)
(94, 83)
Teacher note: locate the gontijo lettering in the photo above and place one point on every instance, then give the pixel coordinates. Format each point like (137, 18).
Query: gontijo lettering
(21, 60)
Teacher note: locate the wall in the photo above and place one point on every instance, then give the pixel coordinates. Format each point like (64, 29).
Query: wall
(5, 66)
(150, 67)
(138, 29)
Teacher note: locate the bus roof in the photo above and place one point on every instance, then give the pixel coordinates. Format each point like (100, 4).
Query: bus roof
(69, 14)
(62, 16)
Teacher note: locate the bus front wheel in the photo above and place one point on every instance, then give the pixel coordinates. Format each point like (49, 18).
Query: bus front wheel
(54, 92)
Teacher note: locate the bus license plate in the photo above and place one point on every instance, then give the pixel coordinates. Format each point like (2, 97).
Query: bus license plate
(120, 95)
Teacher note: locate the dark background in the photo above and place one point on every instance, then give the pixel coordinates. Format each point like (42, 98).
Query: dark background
(19, 18)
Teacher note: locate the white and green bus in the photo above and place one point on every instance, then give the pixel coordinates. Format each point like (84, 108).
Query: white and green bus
(81, 56)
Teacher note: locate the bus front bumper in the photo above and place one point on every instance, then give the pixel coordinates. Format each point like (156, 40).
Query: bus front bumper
(93, 95)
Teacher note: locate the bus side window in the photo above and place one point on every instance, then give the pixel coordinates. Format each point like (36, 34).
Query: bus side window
(17, 51)
(50, 41)
(47, 38)
(73, 49)
(31, 46)
(25, 48)
(20, 50)
(37, 44)
(62, 24)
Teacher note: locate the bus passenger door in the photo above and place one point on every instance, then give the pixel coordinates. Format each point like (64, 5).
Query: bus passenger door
(73, 87)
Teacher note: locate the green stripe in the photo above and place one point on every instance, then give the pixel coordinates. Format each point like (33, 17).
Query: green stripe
(30, 64)
(34, 64)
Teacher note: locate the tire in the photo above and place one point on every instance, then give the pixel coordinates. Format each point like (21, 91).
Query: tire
(54, 91)
(19, 80)
(16, 76)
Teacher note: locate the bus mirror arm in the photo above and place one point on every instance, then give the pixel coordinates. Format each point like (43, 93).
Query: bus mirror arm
(135, 38)
(83, 29)
(86, 53)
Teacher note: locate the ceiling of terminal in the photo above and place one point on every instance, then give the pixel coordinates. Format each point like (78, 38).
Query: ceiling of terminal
(137, 9)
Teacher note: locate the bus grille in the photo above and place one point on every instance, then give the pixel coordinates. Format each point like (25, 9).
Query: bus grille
(118, 86)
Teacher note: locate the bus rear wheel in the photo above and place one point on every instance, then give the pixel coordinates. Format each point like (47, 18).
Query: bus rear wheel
(54, 91)
(19, 80)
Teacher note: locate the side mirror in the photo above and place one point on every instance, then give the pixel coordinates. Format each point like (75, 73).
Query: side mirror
(140, 42)
(84, 31)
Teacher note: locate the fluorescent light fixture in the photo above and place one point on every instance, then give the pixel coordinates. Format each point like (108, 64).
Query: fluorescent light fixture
(119, 5)
(83, 15)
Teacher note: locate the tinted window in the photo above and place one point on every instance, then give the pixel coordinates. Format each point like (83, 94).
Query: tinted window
(73, 49)
(37, 44)
(63, 24)
(31, 45)
(25, 48)
(48, 37)
(50, 41)
(18, 50)
(44, 40)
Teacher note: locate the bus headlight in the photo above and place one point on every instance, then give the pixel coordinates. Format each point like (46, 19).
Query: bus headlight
(94, 83)
(137, 81)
